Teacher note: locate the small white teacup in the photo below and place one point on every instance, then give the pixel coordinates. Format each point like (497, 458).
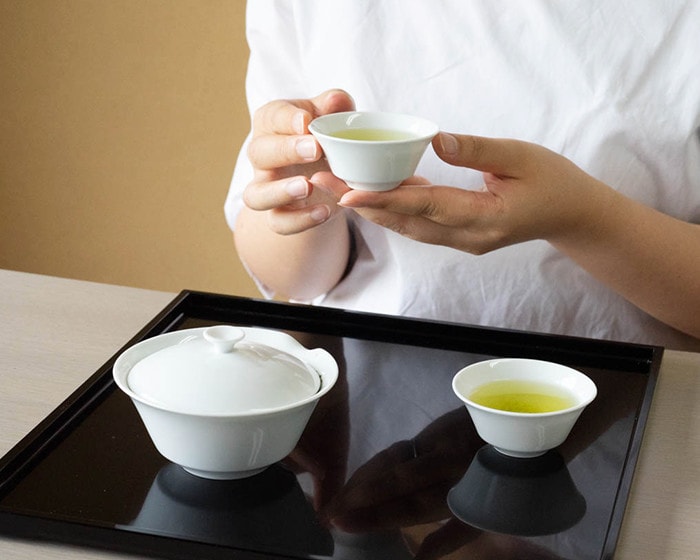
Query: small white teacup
(523, 407)
(373, 151)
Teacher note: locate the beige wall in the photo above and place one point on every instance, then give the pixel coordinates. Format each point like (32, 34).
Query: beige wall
(120, 121)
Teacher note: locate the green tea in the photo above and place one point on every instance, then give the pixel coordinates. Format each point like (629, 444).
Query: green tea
(373, 134)
(522, 396)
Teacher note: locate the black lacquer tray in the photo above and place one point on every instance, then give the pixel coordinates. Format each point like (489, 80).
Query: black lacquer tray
(389, 465)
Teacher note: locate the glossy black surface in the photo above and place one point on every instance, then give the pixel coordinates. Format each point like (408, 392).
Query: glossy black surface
(372, 474)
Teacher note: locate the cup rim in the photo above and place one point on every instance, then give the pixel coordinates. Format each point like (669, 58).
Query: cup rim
(431, 128)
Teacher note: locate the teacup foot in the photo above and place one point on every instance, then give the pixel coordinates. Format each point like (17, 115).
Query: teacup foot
(520, 454)
(373, 187)
(216, 475)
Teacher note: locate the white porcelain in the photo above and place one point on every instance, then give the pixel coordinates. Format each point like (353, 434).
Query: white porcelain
(521, 434)
(373, 165)
(224, 402)
(233, 373)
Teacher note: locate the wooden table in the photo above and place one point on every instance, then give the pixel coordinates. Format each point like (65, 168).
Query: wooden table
(54, 333)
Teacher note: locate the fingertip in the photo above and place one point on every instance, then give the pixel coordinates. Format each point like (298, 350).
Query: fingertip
(329, 183)
(307, 148)
(338, 100)
(478, 152)
(362, 199)
(446, 143)
(320, 213)
(346, 200)
(297, 188)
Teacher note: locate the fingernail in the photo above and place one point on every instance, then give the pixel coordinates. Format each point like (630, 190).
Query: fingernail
(320, 213)
(306, 148)
(298, 123)
(297, 188)
(448, 143)
(345, 200)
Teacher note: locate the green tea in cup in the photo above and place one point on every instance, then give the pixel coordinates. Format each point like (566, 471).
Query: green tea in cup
(522, 396)
(373, 134)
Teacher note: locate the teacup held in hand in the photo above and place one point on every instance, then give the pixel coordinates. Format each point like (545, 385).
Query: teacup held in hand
(373, 151)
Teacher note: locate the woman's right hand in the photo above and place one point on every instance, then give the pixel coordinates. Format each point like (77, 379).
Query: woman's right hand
(291, 233)
(292, 182)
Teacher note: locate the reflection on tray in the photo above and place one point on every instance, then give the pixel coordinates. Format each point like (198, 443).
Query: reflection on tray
(524, 497)
(239, 513)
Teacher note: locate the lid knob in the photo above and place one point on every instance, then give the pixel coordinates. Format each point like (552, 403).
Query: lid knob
(224, 337)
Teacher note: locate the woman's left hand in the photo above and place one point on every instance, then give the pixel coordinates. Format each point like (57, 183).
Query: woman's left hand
(529, 193)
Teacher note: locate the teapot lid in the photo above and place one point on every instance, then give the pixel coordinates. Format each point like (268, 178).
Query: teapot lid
(220, 370)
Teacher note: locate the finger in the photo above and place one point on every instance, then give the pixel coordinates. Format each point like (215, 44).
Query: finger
(263, 195)
(412, 227)
(288, 220)
(327, 182)
(472, 237)
(502, 157)
(282, 117)
(293, 116)
(280, 130)
(287, 203)
(273, 151)
(416, 180)
(446, 206)
(333, 101)
(407, 211)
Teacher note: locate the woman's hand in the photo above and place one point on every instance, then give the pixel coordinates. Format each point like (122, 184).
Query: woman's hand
(529, 193)
(286, 161)
(291, 234)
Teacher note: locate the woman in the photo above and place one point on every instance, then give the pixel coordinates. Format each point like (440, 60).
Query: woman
(586, 225)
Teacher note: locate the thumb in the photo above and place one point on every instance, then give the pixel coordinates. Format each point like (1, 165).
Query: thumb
(493, 155)
(333, 101)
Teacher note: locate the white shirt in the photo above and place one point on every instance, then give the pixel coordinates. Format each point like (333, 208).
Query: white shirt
(613, 86)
